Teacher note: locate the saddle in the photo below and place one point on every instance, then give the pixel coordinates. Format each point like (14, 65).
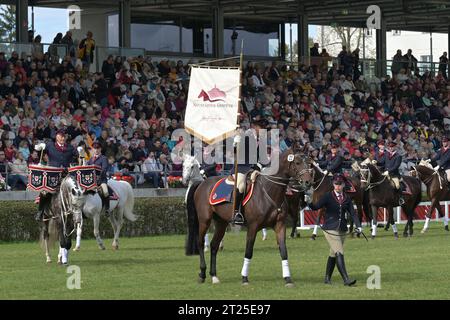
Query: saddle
(404, 187)
(223, 191)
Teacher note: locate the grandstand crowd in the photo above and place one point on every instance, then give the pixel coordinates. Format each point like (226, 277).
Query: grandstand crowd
(133, 104)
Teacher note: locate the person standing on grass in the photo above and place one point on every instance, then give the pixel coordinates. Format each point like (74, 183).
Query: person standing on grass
(338, 205)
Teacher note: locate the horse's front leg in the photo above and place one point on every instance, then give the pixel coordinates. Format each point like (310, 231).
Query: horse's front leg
(392, 221)
(434, 205)
(96, 219)
(119, 223)
(46, 244)
(280, 231)
(374, 212)
(79, 231)
(251, 235)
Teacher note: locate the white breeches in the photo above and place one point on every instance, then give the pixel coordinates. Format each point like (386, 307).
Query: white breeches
(241, 182)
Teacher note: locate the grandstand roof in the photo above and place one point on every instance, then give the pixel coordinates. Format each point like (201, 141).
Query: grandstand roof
(413, 15)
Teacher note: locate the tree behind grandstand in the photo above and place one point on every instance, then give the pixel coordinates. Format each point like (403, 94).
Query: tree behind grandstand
(7, 23)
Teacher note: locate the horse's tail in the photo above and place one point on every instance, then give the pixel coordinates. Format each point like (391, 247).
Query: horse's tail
(192, 222)
(129, 204)
(53, 234)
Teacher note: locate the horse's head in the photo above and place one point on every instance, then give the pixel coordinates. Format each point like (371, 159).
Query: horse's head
(298, 167)
(426, 163)
(191, 168)
(72, 198)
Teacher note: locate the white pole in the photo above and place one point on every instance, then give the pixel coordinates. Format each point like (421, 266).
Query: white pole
(384, 216)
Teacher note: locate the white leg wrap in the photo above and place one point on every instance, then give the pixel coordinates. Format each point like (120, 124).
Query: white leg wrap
(65, 256)
(427, 222)
(315, 229)
(285, 267)
(445, 221)
(245, 267)
(78, 243)
(264, 232)
(394, 228)
(374, 229)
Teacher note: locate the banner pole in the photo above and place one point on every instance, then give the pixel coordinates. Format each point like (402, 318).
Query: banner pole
(236, 147)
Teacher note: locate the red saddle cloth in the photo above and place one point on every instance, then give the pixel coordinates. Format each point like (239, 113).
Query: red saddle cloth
(223, 192)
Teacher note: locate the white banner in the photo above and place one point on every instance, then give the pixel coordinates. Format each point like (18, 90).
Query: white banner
(212, 105)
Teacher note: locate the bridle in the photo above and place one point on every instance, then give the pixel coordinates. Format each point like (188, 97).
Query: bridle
(371, 185)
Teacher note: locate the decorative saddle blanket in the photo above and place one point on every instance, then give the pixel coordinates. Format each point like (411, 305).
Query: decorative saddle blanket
(223, 192)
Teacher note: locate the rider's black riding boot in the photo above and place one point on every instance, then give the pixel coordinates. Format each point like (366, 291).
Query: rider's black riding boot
(330, 268)
(105, 203)
(238, 216)
(341, 267)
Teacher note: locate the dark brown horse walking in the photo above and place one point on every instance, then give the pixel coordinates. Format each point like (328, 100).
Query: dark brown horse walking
(266, 208)
(437, 190)
(323, 184)
(382, 194)
(295, 200)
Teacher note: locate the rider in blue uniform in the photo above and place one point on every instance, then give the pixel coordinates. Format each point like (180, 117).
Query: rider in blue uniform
(443, 158)
(334, 163)
(392, 161)
(379, 155)
(100, 160)
(60, 155)
(247, 165)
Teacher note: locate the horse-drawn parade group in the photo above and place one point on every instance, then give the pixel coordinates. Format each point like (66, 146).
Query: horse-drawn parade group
(72, 189)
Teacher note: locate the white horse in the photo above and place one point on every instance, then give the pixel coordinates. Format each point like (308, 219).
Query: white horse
(191, 174)
(123, 207)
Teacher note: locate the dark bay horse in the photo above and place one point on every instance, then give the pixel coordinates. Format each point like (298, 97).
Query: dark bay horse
(295, 200)
(323, 184)
(62, 215)
(382, 194)
(437, 190)
(266, 208)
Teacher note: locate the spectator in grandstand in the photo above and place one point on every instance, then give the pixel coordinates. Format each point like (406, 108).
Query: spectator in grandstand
(86, 51)
(314, 51)
(19, 171)
(443, 63)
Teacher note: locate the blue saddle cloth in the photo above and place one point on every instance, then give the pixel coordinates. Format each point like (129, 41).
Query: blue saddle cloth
(221, 192)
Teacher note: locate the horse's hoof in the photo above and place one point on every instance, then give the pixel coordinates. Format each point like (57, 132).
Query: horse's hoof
(423, 231)
(405, 235)
(115, 247)
(446, 228)
(245, 281)
(289, 285)
(372, 237)
(49, 261)
(201, 280)
(313, 237)
(264, 238)
(101, 247)
(221, 248)
(76, 249)
(215, 280)
(396, 236)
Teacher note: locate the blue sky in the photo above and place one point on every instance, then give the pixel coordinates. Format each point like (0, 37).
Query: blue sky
(48, 22)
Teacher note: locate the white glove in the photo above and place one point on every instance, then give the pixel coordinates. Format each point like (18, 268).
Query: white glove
(39, 147)
(374, 162)
(386, 173)
(80, 149)
(325, 172)
(259, 165)
(358, 230)
(237, 140)
(436, 168)
(307, 198)
(202, 172)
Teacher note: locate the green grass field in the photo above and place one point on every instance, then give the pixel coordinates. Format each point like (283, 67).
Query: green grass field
(156, 268)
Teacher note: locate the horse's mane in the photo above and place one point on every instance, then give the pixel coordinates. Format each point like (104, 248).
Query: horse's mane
(424, 168)
(373, 169)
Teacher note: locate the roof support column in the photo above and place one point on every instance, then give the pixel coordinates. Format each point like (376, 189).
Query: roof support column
(218, 30)
(381, 49)
(125, 23)
(302, 36)
(22, 20)
(448, 50)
